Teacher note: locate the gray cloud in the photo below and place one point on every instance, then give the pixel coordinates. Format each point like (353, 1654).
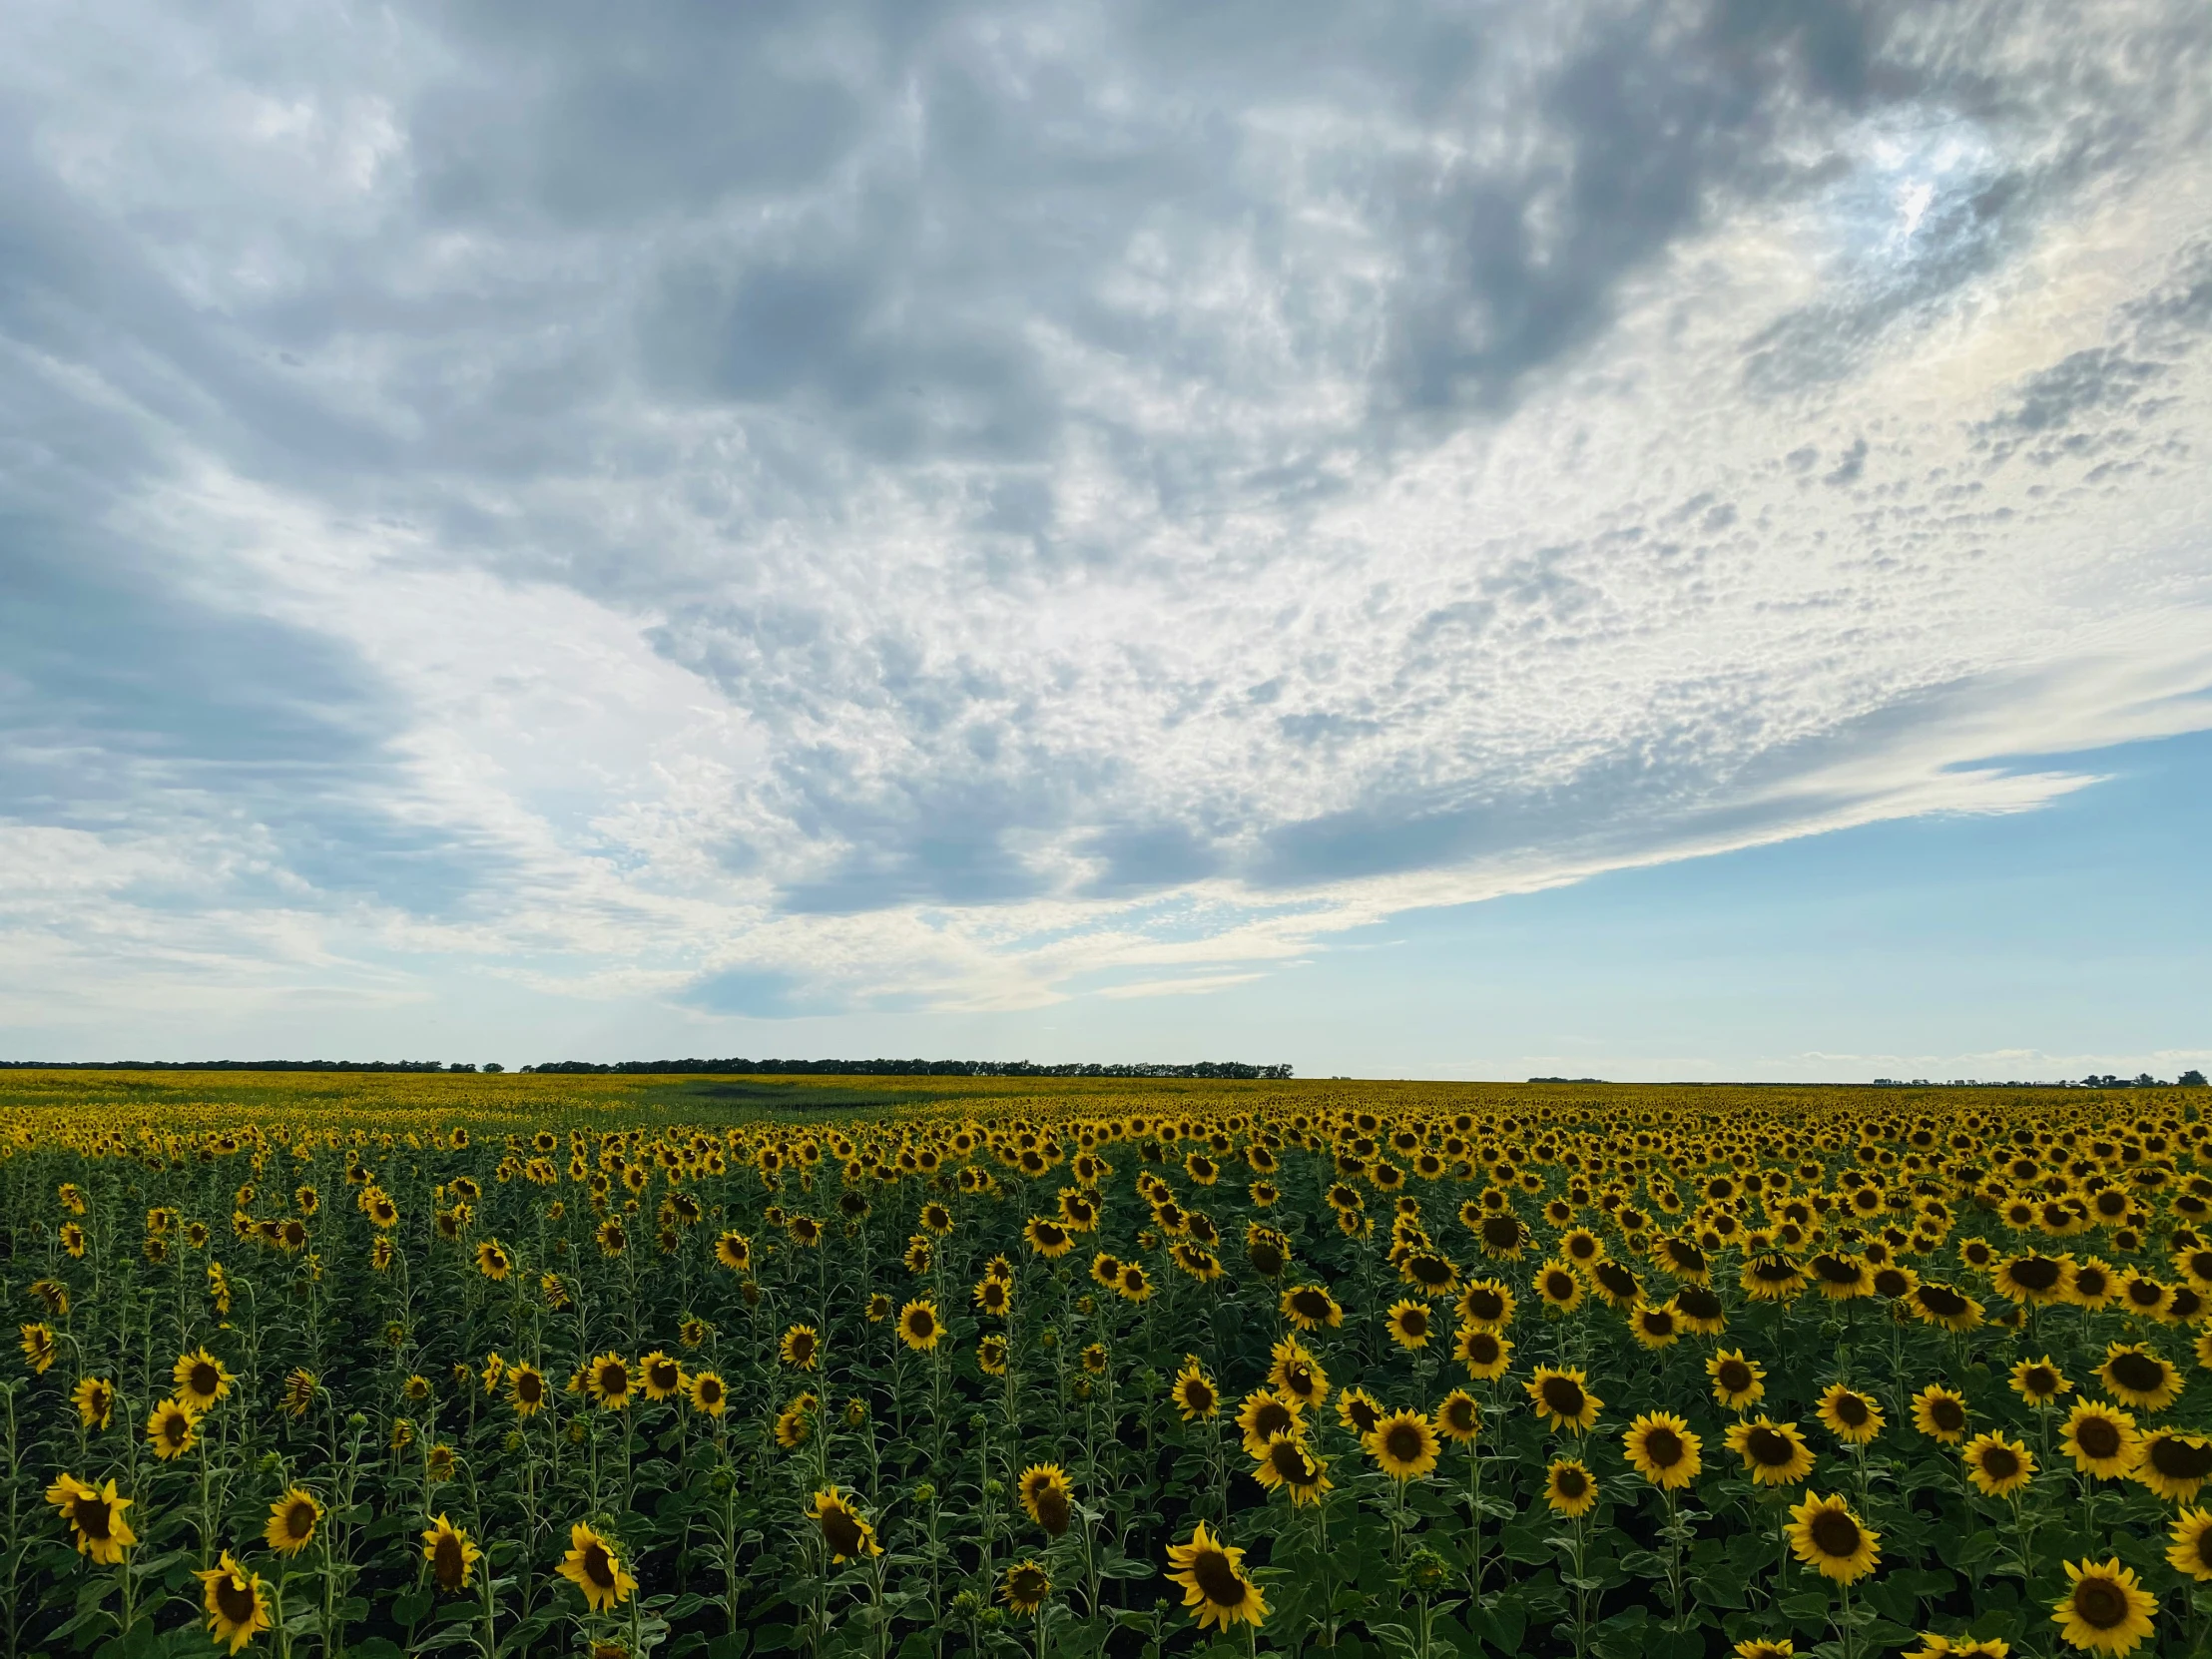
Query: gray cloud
(739, 469)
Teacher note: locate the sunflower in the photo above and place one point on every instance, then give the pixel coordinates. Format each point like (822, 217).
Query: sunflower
(291, 1521)
(1561, 1398)
(1287, 1465)
(1655, 1328)
(200, 1379)
(2101, 1439)
(2039, 1383)
(1829, 1538)
(493, 1262)
(1774, 1453)
(1737, 1382)
(1194, 1393)
(735, 1252)
(1296, 1372)
(1770, 1277)
(2093, 1285)
(795, 1424)
(607, 1380)
(94, 1398)
(991, 1354)
(2134, 1375)
(1404, 1445)
(1763, 1647)
(2190, 1552)
(1134, 1284)
(526, 1389)
(2034, 1279)
(1997, 1466)
(1105, 1269)
(94, 1516)
(1841, 1277)
(40, 1351)
(1486, 1305)
(2105, 1607)
(1357, 1411)
(172, 1430)
(1940, 1414)
(1662, 1450)
(1484, 1351)
(1048, 1238)
(1026, 1586)
(2173, 1464)
(1214, 1584)
(1408, 1322)
(1048, 1497)
(660, 1376)
(236, 1602)
(994, 1296)
(1700, 1309)
(1569, 1488)
(2140, 1294)
(707, 1393)
(1942, 1307)
(936, 1218)
(1311, 1307)
(594, 1565)
(1559, 1288)
(1852, 1418)
(920, 1255)
(452, 1554)
(800, 1347)
(1933, 1646)
(1266, 1413)
(1459, 1418)
(918, 1326)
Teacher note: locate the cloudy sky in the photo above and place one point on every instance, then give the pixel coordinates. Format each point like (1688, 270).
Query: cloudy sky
(1651, 539)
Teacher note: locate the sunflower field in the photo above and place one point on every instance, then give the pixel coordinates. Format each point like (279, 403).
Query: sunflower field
(615, 1366)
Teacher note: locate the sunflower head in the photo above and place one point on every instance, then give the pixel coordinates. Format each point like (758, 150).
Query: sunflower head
(1940, 1414)
(1025, 1588)
(1829, 1538)
(594, 1565)
(1662, 1450)
(2136, 1377)
(846, 1532)
(1998, 1467)
(1214, 1584)
(1562, 1398)
(1459, 1418)
(292, 1520)
(1569, 1488)
(1194, 1393)
(918, 1326)
(1774, 1453)
(1403, 1446)
(452, 1553)
(2105, 1607)
(2101, 1439)
(1048, 1497)
(236, 1602)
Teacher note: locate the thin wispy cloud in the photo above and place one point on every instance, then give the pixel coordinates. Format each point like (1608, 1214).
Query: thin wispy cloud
(777, 508)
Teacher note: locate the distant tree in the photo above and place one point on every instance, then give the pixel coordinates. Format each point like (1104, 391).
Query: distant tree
(2191, 1079)
(494, 1065)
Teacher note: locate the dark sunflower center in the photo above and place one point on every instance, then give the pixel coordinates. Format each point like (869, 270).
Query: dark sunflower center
(1461, 1414)
(1663, 1446)
(599, 1566)
(1403, 1443)
(234, 1599)
(2000, 1463)
(2098, 1437)
(1198, 1395)
(2040, 1381)
(2179, 1460)
(1052, 1510)
(1482, 1347)
(2100, 1603)
(1413, 1323)
(1943, 1301)
(448, 1562)
(1835, 1269)
(1290, 1463)
(530, 1388)
(2203, 1546)
(1850, 1410)
(1946, 1413)
(1658, 1322)
(1835, 1534)
(2145, 1293)
(1769, 1448)
(1735, 1375)
(1485, 1304)
(1699, 1303)
(1615, 1277)
(710, 1391)
(2139, 1372)
(1216, 1579)
(1363, 1416)
(299, 1520)
(92, 1517)
(1559, 1286)
(205, 1378)
(1027, 1584)
(1570, 1483)
(1310, 1303)
(1429, 1269)
(613, 1380)
(1500, 1232)
(1564, 1396)
(1273, 1417)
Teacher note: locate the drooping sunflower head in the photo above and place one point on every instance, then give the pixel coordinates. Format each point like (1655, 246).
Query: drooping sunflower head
(94, 1398)
(594, 1565)
(846, 1532)
(1357, 1411)
(2034, 1279)
(236, 1602)
(1048, 1497)
(452, 1553)
(1213, 1586)
(735, 1252)
(1311, 1307)
(95, 1518)
(1296, 1372)
(1025, 1588)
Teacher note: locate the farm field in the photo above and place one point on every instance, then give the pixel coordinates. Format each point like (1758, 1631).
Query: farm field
(927, 1368)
